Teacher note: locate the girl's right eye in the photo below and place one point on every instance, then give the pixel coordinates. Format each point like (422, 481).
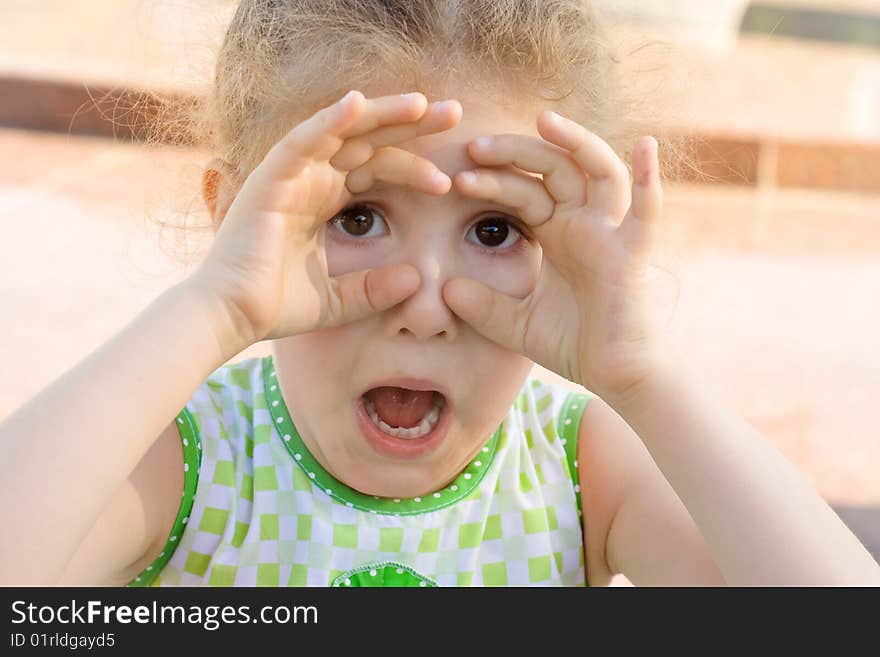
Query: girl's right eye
(358, 221)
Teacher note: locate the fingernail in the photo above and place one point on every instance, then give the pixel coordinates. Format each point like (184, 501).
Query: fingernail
(483, 143)
(554, 117)
(414, 94)
(440, 177)
(347, 97)
(469, 177)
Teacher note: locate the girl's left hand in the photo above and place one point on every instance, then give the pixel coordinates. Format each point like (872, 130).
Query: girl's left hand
(588, 318)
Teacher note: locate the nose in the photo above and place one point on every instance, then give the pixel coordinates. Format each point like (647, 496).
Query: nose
(424, 314)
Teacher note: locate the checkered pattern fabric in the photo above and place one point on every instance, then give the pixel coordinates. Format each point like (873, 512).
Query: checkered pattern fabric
(258, 511)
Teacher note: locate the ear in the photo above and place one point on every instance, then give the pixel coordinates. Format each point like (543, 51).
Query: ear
(219, 188)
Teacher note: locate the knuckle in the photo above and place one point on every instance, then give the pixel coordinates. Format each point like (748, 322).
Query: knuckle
(369, 289)
(359, 180)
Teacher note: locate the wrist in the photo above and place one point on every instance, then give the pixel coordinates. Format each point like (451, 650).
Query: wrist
(667, 372)
(229, 329)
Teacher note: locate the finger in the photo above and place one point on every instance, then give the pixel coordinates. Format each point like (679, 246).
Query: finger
(387, 110)
(562, 177)
(497, 316)
(525, 195)
(321, 132)
(639, 227)
(399, 167)
(437, 118)
(362, 293)
(608, 186)
(320, 136)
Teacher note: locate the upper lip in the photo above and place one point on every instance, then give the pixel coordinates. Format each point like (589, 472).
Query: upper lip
(412, 383)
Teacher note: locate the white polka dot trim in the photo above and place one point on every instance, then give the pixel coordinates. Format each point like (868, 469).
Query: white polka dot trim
(279, 420)
(287, 437)
(400, 571)
(186, 467)
(568, 420)
(297, 456)
(436, 494)
(417, 499)
(467, 475)
(180, 419)
(453, 487)
(373, 572)
(311, 475)
(477, 464)
(273, 387)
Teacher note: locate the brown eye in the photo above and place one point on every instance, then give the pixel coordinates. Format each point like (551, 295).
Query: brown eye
(495, 233)
(356, 220)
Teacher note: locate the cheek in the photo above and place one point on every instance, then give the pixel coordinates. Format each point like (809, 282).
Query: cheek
(496, 375)
(323, 354)
(512, 274)
(344, 258)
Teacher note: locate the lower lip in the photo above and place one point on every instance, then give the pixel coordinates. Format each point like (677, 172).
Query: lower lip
(403, 448)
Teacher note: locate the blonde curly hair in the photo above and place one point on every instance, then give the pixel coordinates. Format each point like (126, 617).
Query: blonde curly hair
(281, 60)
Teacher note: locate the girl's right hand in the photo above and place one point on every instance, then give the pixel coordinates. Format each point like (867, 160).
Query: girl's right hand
(267, 265)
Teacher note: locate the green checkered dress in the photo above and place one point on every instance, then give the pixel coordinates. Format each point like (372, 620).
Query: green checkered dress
(259, 510)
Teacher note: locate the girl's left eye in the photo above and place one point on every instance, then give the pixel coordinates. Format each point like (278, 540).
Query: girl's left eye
(496, 233)
(358, 221)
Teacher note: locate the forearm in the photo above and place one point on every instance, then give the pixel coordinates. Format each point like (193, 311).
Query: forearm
(65, 452)
(763, 521)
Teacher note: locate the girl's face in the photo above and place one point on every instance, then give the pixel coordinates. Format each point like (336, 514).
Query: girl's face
(323, 374)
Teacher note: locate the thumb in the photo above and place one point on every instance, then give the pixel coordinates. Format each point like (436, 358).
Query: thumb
(497, 316)
(359, 294)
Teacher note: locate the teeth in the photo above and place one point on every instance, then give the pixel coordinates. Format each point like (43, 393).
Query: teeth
(428, 422)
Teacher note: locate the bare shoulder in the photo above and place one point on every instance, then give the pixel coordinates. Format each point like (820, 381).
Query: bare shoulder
(634, 522)
(609, 454)
(133, 527)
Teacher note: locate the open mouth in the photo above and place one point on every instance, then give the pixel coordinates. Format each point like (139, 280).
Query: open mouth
(404, 413)
(403, 422)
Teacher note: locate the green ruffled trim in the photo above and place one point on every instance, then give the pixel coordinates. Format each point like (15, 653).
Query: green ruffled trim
(383, 574)
(569, 424)
(192, 460)
(568, 427)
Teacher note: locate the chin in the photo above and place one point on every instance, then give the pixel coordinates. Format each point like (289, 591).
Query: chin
(399, 481)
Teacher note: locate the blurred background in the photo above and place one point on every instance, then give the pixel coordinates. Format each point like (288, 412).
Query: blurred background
(775, 244)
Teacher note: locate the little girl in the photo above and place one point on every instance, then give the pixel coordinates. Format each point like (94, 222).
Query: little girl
(410, 259)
